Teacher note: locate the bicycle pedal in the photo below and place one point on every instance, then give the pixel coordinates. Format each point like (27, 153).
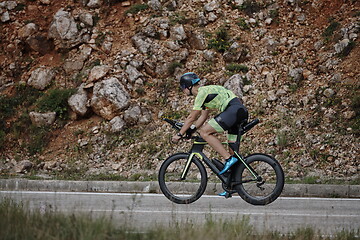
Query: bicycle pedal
(228, 195)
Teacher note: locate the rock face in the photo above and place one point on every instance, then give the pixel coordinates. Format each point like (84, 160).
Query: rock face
(64, 30)
(109, 98)
(42, 119)
(78, 102)
(235, 84)
(41, 78)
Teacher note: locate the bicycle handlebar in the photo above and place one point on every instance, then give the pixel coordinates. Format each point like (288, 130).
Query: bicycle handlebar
(175, 124)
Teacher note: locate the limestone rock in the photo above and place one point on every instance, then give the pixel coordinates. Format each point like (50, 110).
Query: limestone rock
(98, 72)
(109, 98)
(28, 30)
(64, 30)
(178, 33)
(23, 166)
(78, 102)
(41, 78)
(94, 3)
(116, 124)
(42, 119)
(132, 115)
(235, 83)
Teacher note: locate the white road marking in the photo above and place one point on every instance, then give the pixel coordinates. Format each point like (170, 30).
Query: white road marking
(160, 195)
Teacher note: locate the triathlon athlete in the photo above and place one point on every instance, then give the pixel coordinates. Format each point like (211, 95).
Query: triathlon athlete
(232, 114)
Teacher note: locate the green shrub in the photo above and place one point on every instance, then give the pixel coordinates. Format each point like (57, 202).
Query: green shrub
(55, 101)
(2, 139)
(172, 67)
(221, 41)
(137, 8)
(237, 68)
(24, 95)
(38, 139)
(242, 24)
(329, 31)
(178, 19)
(250, 7)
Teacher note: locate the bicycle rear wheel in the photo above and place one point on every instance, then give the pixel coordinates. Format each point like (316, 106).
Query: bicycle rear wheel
(264, 189)
(182, 191)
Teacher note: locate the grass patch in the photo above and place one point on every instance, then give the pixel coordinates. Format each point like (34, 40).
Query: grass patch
(136, 8)
(242, 24)
(55, 100)
(329, 31)
(17, 222)
(236, 68)
(172, 67)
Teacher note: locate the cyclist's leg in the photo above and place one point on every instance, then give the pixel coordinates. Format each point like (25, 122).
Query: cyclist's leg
(241, 116)
(207, 132)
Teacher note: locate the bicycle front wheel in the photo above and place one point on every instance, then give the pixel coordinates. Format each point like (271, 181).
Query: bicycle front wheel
(182, 190)
(263, 183)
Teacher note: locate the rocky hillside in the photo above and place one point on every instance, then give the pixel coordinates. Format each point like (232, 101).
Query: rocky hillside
(84, 83)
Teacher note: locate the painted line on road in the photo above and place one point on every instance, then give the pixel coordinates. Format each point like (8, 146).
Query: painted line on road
(223, 213)
(162, 196)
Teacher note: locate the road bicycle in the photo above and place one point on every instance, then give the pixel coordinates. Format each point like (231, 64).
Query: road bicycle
(257, 178)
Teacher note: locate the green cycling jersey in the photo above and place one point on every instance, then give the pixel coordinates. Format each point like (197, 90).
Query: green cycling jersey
(213, 97)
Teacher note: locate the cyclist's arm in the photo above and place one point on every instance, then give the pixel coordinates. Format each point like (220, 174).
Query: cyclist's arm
(193, 116)
(200, 121)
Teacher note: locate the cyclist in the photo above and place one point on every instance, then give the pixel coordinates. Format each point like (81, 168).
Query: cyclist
(233, 112)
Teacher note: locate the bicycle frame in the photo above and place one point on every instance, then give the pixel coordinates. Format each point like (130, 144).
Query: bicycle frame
(197, 150)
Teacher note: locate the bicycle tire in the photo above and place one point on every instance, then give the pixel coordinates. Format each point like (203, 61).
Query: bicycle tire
(272, 174)
(182, 191)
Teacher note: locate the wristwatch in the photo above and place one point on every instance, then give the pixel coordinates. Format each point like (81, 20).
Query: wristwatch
(179, 134)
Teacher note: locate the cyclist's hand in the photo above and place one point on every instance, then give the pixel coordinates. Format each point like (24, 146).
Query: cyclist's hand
(175, 138)
(190, 132)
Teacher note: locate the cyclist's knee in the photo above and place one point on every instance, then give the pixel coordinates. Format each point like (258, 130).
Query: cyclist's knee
(206, 131)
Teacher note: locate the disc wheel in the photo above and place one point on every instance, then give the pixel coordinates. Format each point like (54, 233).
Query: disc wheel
(267, 186)
(182, 190)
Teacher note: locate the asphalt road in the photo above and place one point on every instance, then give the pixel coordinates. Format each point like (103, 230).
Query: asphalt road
(329, 215)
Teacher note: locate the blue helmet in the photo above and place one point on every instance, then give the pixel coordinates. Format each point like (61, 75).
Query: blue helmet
(188, 80)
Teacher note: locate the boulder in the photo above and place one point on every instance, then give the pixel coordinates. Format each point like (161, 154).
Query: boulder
(137, 114)
(98, 72)
(42, 119)
(5, 17)
(94, 3)
(235, 83)
(64, 30)
(23, 166)
(197, 40)
(133, 73)
(341, 45)
(142, 44)
(28, 30)
(87, 19)
(154, 4)
(116, 124)
(41, 78)
(296, 74)
(73, 66)
(211, 6)
(109, 98)
(132, 115)
(178, 33)
(78, 102)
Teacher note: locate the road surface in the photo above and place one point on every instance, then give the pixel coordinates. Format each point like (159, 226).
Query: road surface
(329, 215)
